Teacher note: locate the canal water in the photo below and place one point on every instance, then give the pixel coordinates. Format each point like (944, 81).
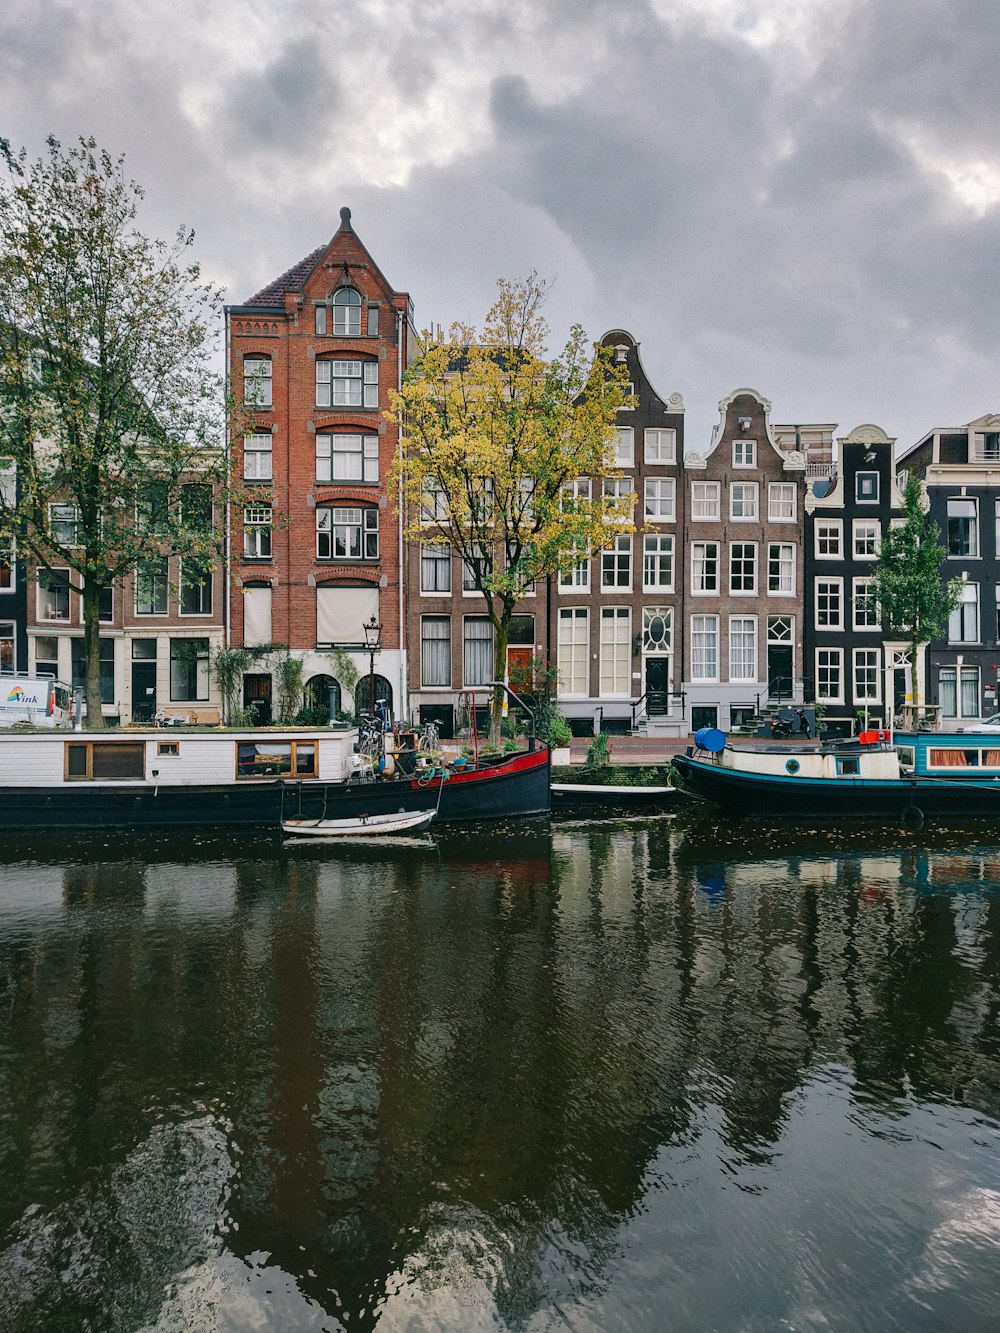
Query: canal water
(656, 1074)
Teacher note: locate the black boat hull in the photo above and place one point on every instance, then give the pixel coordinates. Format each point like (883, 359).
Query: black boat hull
(517, 785)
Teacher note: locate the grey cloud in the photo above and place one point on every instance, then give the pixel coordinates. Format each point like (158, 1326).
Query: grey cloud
(276, 107)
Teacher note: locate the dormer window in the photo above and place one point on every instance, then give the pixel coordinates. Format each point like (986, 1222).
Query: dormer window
(347, 313)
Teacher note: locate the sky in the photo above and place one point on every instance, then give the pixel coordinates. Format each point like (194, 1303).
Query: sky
(797, 196)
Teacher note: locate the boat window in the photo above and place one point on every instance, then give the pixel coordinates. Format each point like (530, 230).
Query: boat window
(276, 759)
(792, 766)
(848, 767)
(105, 761)
(168, 747)
(953, 758)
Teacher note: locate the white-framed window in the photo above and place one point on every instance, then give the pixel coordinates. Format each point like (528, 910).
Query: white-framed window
(346, 533)
(829, 537)
(867, 675)
(865, 606)
(257, 456)
(476, 569)
(435, 650)
(8, 482)
(616, 651)
(433, 502)
(347, 456)
(478, 657)
(958, 691)
(620, 496)
(435, 569)
(830, 675)
(706, 501)
(658, 563)
(574, 570)
(704, 647)
(866, 487)
(743, 507)
(742, 647)
(572, 491)
(53, 594)
(986, 446)
(867, 537)
(195, 594)
(704, 567)
(624, 446)
(257, 381)
(346, 383)
(346, 313)
(830, 603)
(257, 532)
(152, 587)
(781, 504)
(963, 527)
(659, 445)
(743, 567)
(659, 500)
(574, 650)
(963, 623)
(781, 569)
(744, 452)
(64, 524)
(616, 563)
(657, 630)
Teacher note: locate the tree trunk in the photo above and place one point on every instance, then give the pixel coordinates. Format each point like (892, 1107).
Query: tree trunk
(92, 655)
(499, 673)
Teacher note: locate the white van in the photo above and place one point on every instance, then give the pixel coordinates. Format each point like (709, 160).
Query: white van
(39, 701)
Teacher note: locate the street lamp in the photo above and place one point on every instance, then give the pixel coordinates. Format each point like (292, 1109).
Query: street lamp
(373, 633)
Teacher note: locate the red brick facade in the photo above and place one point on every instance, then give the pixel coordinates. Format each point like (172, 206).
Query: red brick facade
(325, 343)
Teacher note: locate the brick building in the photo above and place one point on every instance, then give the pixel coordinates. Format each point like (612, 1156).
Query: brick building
(743, 595)
(616, 614)
(13, 583)
(159, 630)
(316, 552)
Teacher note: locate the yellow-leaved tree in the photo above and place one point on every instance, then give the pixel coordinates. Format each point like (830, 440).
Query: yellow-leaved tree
(494, 435)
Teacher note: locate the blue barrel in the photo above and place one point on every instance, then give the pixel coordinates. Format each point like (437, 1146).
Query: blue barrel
(709, 738)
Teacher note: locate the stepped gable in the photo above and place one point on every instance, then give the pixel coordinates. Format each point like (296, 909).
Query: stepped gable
(292, 281)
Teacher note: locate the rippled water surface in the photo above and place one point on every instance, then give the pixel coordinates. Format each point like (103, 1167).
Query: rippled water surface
(647, 1075)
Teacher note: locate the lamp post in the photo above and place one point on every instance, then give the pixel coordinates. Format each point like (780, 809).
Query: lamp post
(373, 633)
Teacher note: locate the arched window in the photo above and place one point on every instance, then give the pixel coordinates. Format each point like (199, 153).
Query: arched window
(347, 313)
(383, 697)
(317, 693)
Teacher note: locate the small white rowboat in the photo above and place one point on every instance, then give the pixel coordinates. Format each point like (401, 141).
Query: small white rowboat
(364, 826)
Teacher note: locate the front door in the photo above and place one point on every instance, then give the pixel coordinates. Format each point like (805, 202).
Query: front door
(657, 684)
(519, 670)
(779, 670)
(257, 696)
(143, 691)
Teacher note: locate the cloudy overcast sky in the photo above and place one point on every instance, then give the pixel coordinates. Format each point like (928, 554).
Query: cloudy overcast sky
(802, 196)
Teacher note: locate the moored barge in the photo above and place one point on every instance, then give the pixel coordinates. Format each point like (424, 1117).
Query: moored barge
(245, 779)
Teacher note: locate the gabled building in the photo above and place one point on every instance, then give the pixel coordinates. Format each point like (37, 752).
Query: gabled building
(743, 595)
(316, 550)
(617, 622)
(850, 671)
(960, 468)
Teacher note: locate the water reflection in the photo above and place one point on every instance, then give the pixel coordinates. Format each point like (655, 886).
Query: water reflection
(642, 1075)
